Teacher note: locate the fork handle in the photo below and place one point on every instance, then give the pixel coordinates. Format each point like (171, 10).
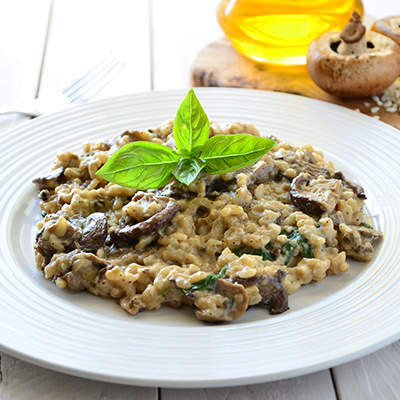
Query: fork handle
(19, 110)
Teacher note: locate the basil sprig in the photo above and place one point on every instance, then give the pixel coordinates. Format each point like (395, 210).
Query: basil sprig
(147, 165)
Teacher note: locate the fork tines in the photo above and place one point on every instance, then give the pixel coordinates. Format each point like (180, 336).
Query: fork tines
(91, 82)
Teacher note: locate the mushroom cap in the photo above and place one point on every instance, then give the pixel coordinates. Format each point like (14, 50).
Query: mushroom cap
(354, 75)
(389, 26)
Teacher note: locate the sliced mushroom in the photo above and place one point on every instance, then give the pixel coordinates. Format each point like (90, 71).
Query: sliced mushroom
(357, 241)
(78, 269)
(261, 171)
(273, 293)
(389, 26)
(57, 236)
(349, 69)
(232, 305)
(357, 189)
(305, 165)
(219, 186)
(74, 282)
(176, 190)
(51, 181)
(94, 232)
(130, 136)
(130, 232)
(315, 196)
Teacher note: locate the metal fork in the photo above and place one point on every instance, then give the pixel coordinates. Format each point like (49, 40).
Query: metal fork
(79, 91)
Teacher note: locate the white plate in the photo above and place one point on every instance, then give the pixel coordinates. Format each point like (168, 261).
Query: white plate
(341, 319)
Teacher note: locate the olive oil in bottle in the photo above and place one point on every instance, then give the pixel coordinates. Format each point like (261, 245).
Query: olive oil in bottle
(279, 31)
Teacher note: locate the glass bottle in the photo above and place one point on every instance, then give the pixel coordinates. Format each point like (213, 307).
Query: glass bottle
(279, 31)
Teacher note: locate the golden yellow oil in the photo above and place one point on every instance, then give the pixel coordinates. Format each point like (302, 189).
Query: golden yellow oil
(279, 31)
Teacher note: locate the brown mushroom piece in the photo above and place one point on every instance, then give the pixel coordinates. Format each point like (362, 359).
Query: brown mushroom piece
(357, 240)
(94, 232)
(273, 293)
(51, 181)
(132, 228)
(261, 171)
(78, 269)
(356, 188)
(177, 191)
(304, 165)
(218, 186)
(233, 303)
(84, 270)
(353, 63)
(56, 236)
(315, 196)
(389, 26)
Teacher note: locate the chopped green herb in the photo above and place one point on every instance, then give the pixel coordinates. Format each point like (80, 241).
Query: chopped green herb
(296, 241)
(165, 291)
(288, 249)
(208, 283)
(366, 225)
(229, 303)
(346, 239)
(264, 252)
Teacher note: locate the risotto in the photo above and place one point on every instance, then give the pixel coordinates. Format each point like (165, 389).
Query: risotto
(222, 244)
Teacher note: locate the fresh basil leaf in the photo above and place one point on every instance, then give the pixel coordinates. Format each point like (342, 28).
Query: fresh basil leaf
(227, 153)
(187, 169)
(191, 126)
(140, 165)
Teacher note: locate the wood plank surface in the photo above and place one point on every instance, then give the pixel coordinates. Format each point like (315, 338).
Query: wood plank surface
(374, 377)
(21, 381)
(316, 386)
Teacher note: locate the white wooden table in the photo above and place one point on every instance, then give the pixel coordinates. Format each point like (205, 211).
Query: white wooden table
(43, 45)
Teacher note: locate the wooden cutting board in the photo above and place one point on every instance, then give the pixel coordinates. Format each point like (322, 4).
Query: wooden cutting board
(219, 64)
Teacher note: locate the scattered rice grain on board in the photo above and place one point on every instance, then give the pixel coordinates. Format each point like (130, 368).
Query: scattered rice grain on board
(389, 99)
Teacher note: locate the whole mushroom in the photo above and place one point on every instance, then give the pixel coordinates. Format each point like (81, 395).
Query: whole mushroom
(389, 26)
(353, 63)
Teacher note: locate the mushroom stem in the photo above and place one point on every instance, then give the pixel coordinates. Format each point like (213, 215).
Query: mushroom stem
(353, 37)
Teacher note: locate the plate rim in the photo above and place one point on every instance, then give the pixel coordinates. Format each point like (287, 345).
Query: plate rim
(187, 382)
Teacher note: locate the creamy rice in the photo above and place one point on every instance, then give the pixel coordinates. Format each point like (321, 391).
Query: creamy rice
(222, 244)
